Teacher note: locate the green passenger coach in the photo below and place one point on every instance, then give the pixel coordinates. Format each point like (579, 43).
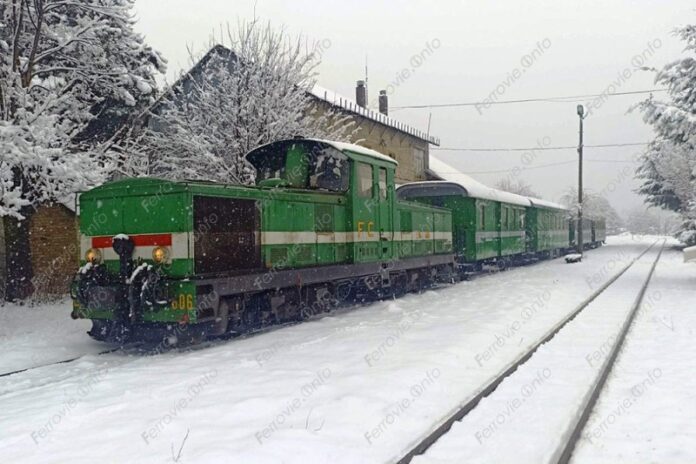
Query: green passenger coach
(488, 224)
(493, 226)
(547, 228)
(168, 259)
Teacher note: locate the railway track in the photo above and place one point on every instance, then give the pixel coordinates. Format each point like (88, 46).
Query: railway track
(570, 437)
(145, 350)
(564, 453)
(66, 361)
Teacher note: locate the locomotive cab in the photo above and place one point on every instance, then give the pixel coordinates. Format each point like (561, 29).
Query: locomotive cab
(301, 164)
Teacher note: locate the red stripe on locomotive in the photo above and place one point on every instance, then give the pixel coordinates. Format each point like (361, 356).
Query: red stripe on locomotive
(138, 240)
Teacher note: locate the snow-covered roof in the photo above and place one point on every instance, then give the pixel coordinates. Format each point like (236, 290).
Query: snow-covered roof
(476, 189)
(342, 147)
(348, 104)
(546, 203)
(473, 187)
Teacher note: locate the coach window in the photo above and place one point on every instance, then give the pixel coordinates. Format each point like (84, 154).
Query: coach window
(482, 222)
(364, 180)
(383, 183)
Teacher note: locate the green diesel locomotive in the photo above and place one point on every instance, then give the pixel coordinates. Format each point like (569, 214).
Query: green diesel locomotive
(166, 260)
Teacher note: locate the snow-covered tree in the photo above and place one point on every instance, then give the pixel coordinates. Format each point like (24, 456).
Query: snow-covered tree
(593, 205)
(63, 65)
(519, 187)
(252, 93)
(648, 220)
(667, 168)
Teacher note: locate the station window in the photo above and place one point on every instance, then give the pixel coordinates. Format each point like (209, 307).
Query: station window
(364, 180)
(383, 183)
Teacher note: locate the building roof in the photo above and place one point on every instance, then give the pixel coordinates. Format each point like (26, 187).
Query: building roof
(318, 92)
(346, 104)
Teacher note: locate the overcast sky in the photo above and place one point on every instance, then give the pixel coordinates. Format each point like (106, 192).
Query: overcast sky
(476, 49)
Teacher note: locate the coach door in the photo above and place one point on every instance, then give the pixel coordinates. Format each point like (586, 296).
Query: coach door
(385, 202)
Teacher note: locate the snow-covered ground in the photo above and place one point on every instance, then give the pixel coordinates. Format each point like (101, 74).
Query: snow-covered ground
(356, 386)
(36, 335)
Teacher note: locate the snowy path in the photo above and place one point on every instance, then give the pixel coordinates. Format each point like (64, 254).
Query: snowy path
(357, 386)
(523, 420)
(647, 411)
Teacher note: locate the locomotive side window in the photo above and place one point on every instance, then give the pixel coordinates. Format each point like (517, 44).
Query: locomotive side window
(383, 183)
(271, 165)
(364, 180)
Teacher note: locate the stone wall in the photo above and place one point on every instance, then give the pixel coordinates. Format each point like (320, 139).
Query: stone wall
(3, 261)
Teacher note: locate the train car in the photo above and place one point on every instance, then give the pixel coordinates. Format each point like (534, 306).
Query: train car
(488, 224)
(599, 231)
(547, 228)
(588, 227)
(321, 222)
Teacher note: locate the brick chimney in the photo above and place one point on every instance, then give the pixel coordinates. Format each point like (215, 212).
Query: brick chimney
(383, 102)
(361, 94)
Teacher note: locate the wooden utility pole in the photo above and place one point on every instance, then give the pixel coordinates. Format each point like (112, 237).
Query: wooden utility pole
(581, 115)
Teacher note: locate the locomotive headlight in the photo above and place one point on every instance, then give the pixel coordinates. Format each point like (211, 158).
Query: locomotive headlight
(160, 254)
(93, 256)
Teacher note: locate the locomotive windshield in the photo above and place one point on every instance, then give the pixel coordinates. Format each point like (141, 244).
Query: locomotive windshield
(301, 164)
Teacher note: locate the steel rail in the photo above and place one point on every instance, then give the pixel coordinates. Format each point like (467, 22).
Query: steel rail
(65, 361)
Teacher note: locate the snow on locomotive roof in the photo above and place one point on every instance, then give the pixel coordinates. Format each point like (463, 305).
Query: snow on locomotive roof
(342, 147)
(473, 187)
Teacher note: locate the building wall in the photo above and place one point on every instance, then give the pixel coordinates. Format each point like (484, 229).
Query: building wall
(54, 250)
(410, 152)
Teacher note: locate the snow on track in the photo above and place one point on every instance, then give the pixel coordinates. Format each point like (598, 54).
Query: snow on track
(523, 420)
(647, 411)
(40, 335)
(356, 386)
